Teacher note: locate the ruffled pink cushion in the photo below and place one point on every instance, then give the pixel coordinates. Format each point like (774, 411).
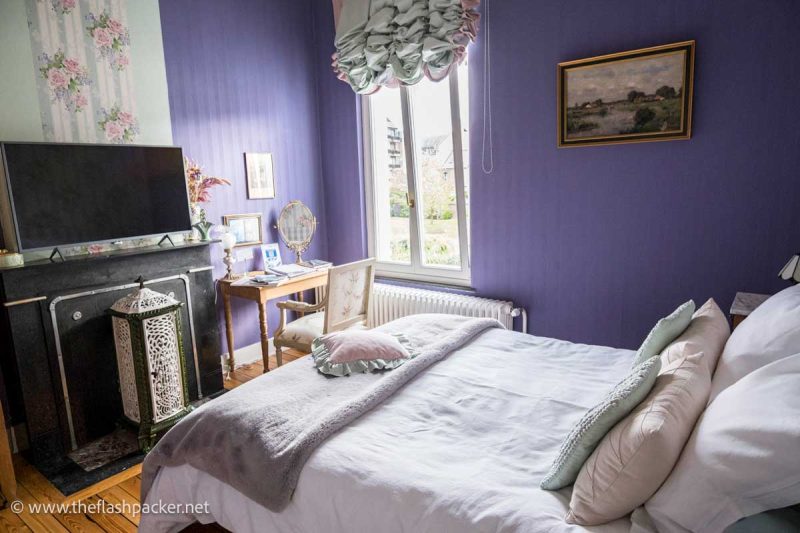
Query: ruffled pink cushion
(358, 345)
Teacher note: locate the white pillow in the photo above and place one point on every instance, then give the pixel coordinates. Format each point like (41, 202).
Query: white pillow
(771, 332)
(742, 458)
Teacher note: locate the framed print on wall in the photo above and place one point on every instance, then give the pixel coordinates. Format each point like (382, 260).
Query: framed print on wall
(260, 176)
(636, 96)
(271, 255)
(247, 228)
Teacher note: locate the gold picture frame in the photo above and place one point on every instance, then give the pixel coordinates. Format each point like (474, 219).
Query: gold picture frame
(247, 228)
(642, 95)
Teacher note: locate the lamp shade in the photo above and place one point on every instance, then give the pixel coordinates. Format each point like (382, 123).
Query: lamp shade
(792, 269)
(228, 241)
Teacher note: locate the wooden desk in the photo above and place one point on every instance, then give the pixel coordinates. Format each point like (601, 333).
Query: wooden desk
(261, 295)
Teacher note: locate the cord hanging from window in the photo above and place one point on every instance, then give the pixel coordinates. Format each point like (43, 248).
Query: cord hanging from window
(487, 157)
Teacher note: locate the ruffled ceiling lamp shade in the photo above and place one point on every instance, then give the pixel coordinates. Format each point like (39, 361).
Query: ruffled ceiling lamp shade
(388, 43)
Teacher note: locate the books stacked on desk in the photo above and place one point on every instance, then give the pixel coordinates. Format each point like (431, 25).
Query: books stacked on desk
(280, 274)
(316, 264)
(268, 279)
(291, 270)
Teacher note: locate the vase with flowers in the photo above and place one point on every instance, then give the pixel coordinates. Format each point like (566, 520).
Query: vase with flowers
(199, 193)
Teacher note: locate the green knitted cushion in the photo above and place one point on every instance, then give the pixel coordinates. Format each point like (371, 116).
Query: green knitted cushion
(590, 430)
(665, 331)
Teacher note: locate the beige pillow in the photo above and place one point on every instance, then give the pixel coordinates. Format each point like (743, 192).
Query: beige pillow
(637, 455)
(708, 332)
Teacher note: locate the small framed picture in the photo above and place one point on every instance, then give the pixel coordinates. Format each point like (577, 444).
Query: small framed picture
(247, 228)
(635, 96)
(271, 255)
(260, 177)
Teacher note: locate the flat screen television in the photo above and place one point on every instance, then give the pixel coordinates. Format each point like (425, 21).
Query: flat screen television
(68, 194)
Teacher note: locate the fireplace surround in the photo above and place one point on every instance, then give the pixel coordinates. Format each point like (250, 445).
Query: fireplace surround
(58, 358)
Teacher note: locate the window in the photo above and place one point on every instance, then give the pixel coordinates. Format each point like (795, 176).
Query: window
(416, 158)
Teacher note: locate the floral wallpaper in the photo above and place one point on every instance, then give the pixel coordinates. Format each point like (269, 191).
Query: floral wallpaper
(84, 72)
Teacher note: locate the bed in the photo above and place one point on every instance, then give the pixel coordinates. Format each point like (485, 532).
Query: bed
(459, 437)
(461, 447)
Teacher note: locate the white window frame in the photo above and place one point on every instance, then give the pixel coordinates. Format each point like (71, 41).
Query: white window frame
(416, 270)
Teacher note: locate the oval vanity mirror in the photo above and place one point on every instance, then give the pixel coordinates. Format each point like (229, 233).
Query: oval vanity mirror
(296, 226)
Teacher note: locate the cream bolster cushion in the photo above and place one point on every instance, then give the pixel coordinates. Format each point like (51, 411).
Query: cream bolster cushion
(708, 332)
(638, 454)
(742, 458)
(664, 332)
(592, 427)
(770, 333)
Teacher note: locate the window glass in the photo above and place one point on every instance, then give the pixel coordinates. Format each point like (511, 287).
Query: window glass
(390, 179)
(432, 125)
(420, 179)
(463, 101)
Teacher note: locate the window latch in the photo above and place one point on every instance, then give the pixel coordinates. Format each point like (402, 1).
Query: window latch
(410, 201)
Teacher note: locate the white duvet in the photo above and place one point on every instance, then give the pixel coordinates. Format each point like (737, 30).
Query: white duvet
(461, 448)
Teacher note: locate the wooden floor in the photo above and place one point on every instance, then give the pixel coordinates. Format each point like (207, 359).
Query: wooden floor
(245, 373)
(33, 488)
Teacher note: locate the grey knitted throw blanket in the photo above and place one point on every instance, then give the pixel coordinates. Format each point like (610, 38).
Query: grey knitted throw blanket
(257, 437)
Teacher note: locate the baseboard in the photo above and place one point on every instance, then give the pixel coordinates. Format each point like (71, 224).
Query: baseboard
(248, 354)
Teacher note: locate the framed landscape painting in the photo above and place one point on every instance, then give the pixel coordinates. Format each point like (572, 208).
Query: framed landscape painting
(636, 96)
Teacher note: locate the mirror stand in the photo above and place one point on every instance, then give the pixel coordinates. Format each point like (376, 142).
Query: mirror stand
(296, 226)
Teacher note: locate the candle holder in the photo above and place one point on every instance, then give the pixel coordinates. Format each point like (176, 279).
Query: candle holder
(228, 260)
(228, 241)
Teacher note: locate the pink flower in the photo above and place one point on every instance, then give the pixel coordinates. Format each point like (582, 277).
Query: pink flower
(116, 27)
(57, 78)
(122, 61)
(101, 37)
(72, 66)
(114, 131)
(67, 4)
(125, 118)
(80, 101)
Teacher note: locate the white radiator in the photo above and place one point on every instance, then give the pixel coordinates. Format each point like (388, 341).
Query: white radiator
(390, 302)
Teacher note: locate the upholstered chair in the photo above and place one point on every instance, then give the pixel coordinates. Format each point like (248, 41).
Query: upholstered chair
(345, 305)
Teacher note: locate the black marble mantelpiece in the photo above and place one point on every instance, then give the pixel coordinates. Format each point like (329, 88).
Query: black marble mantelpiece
(110, 254)
(39, 292)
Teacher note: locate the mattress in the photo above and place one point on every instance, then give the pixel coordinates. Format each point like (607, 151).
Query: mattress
(460, 448)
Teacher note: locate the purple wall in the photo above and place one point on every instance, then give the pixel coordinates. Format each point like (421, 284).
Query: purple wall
(242, 78)
(599, 242)
(340, 129)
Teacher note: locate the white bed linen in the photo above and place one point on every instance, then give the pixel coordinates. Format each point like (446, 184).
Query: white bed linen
(461, 448)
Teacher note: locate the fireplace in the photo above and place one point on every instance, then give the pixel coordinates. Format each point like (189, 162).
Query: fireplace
(58, 359)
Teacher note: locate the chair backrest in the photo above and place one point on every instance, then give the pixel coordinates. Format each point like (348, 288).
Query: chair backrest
(348, 294)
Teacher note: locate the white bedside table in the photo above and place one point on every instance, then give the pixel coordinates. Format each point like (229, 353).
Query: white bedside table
(744, 304)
